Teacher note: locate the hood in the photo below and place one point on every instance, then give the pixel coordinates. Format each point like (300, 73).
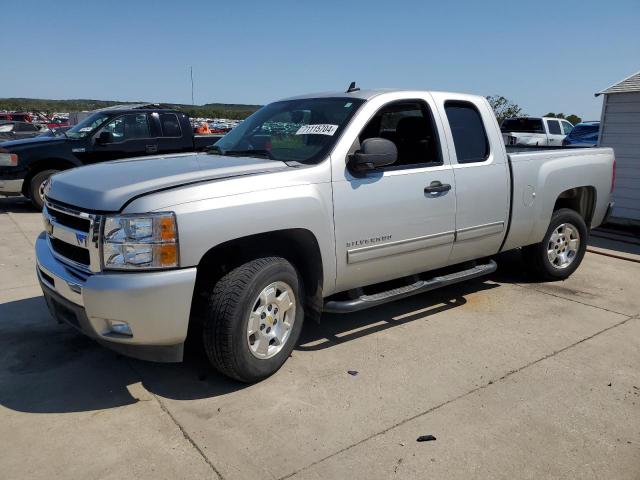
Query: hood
(33, 141)
(108, 186)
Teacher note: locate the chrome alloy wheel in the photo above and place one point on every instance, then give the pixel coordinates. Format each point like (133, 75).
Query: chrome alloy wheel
(563, 245)
(271, 320)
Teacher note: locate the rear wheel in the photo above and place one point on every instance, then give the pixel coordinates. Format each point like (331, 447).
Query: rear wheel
(562, 249)
(253, 319)
(37, 185)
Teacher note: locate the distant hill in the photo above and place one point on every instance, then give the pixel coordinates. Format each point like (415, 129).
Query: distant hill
(221, 110)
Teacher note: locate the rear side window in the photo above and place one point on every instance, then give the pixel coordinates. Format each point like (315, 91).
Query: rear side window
(554, 127)
(170, 125)
(469, 136)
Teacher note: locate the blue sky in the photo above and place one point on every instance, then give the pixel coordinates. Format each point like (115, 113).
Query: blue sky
(545, 56)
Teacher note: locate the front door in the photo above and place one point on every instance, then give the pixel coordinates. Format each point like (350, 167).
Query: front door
(130, 137)
(393, 222)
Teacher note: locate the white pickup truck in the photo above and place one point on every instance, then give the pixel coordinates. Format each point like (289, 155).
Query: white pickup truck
(321, 203)
(532, 131)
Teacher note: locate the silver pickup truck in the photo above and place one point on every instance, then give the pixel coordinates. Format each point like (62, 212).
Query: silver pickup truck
(321, 203)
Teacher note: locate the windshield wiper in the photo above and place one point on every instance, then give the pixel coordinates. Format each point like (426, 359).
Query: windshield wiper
(248, 153)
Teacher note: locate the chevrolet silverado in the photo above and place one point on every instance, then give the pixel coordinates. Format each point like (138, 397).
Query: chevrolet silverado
(321, 203)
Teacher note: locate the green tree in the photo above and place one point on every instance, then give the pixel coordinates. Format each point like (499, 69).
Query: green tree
(504, 108)
(573, 118)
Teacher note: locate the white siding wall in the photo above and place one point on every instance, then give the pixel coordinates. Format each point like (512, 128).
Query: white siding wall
(620, 129)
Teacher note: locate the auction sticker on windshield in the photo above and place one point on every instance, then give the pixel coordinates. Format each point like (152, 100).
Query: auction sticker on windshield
(320, 129)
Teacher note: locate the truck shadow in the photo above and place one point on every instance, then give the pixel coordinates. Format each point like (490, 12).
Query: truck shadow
(16, 205)
(335, 329)
(51, 368)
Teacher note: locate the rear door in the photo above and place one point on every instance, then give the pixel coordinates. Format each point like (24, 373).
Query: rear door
(481, 175)
(171, 137)
(554, 132)
(387, 223)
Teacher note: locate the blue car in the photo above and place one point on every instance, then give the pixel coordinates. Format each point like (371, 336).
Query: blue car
(584, 134)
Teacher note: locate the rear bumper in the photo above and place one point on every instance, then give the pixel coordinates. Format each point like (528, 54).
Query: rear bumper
(11, 187)
(155, 305)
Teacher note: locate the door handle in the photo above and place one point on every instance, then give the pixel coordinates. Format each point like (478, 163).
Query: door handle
(151, 148)
(437, 187)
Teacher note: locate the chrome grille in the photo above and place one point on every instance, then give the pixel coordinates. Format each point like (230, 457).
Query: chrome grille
(73, 236)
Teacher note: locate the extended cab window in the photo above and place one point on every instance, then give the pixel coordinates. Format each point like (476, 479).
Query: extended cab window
(554, 127)
(469, 136)
(170, 125)
(409, 125)
(128, 127)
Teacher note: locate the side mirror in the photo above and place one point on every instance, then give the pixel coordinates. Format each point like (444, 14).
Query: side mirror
(104, 137)
(374, 153)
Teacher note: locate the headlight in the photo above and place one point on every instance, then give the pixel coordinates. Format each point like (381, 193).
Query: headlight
(131, 242)
(8, 159)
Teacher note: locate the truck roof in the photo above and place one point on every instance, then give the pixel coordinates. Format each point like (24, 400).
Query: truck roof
(362, 94)
(157, 107)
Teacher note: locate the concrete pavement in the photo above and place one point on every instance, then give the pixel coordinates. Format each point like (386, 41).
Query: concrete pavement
(511, 377)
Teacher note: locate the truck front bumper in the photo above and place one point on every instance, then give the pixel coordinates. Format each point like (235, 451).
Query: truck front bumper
(11, 187)
(151, 308)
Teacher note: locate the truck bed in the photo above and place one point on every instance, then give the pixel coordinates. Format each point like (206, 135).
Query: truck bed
(537, 148)
(202, 141)
(539, 175)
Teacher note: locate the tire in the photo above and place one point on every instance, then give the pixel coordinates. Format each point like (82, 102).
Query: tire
(254, 290)
(36, 186)
(562, 248)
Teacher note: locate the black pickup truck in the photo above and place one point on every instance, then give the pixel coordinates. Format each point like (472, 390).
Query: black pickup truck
(107, 134)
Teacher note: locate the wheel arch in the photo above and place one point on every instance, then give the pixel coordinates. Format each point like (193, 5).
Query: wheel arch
(580, 199)
(299, 246)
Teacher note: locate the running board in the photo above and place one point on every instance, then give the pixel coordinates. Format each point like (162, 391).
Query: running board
(421, 286)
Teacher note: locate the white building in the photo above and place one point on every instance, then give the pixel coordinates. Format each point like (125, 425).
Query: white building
(620, 129)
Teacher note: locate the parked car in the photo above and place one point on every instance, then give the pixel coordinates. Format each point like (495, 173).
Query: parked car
(532, 131)
(107, 134)
(584, 134)
(16, 116)
(14, 130)
(368, 197)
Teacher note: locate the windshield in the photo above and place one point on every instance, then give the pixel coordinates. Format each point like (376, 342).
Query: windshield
(86, 126)
(7, 127)
(581, 131)
(524, 125)
(293, 130)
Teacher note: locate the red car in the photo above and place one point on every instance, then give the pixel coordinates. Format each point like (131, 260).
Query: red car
(17, 116)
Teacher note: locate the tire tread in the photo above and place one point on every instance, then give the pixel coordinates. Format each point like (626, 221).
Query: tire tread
(225, 305)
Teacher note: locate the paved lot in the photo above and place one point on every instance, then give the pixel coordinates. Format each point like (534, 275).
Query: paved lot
(514, 379)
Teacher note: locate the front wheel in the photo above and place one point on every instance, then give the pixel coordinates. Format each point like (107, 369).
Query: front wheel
(253, 319)
(37, 185)
(562, 248)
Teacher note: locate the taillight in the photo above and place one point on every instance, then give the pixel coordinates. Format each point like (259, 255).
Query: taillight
(613, 176)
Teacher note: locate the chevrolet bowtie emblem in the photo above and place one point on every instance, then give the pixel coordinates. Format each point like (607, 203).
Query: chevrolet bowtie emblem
(81, 239)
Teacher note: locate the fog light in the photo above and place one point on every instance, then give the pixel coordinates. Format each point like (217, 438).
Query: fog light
(119, 327)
